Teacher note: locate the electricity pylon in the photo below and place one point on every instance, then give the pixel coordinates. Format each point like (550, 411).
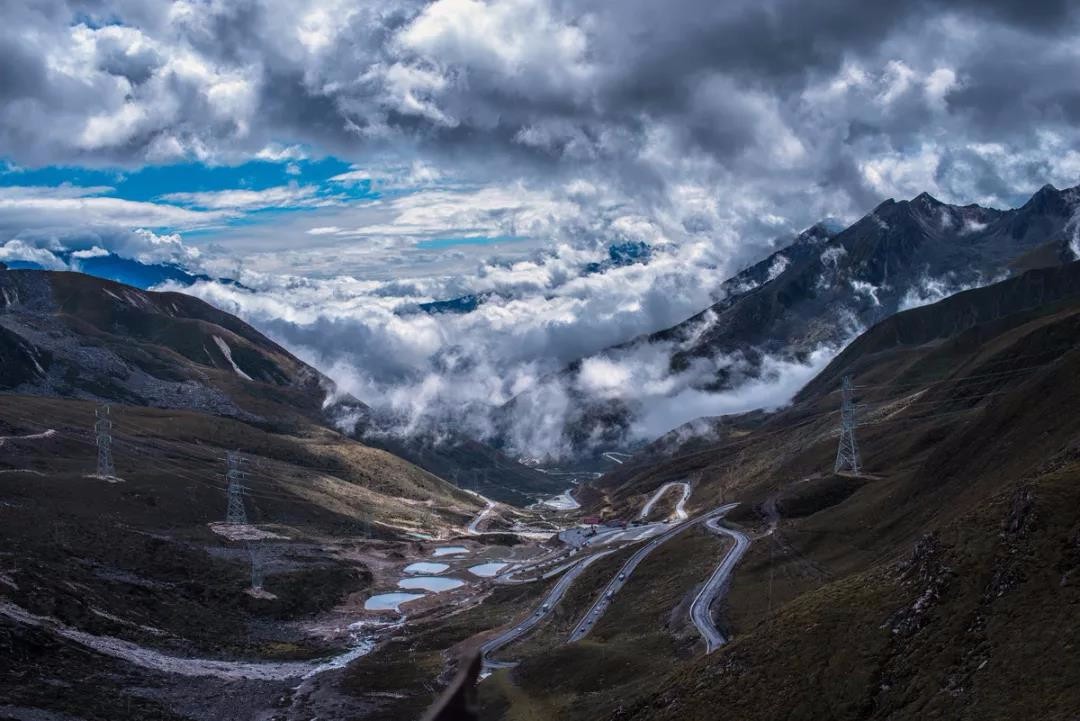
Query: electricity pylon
(103, 428)
(847, 453)
(235, 512)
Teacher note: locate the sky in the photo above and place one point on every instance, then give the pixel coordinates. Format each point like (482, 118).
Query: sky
(348, 161)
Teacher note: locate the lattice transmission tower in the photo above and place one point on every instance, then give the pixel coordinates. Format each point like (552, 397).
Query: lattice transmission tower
(235, 513)
(103, 429)
(847, 453)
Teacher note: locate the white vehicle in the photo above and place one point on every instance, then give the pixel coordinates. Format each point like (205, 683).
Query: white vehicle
(622, 576)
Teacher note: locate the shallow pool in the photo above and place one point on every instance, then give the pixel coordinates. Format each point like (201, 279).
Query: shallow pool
(430, 583)
(449, 551)
(487, 570)
(389, 601)
(426, 567)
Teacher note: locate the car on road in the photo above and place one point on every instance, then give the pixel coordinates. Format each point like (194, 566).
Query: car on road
(622, 576)
(610, 595)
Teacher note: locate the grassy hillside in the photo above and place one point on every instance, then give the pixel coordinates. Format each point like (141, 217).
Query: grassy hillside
(141, 557)
(942, 584)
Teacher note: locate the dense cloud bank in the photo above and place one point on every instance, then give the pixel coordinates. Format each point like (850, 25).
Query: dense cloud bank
(433, 372)
(829, 105)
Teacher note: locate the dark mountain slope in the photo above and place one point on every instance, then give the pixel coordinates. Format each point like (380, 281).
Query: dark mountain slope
(942, 584)
(1034, 294)
(76, 336)
(71, 335)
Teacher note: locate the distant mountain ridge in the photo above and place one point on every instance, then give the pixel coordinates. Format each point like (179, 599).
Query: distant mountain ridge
(823, 288)
(111, 266)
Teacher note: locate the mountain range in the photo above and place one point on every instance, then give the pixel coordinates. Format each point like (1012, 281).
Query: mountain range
(816, 294)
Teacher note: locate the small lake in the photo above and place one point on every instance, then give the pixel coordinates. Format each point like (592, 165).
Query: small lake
(449, 551)
(389, 601)
(431, 583)
(487, 570)
(426, 567)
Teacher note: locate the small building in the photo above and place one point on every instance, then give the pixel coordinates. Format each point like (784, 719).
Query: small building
(591, 520)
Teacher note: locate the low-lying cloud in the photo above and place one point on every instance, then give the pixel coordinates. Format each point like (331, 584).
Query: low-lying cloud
(437, 373)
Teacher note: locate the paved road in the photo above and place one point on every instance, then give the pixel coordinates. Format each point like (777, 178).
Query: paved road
(680, 507)
(596, 611)
(553, 562)
(700, 609)
(472, 529)
(545, 609)
(610, 455)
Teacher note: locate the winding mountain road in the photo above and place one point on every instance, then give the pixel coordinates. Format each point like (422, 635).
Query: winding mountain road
(680, 507)
(545, 609)
(601, 604)
(701, 608)
(472, 528)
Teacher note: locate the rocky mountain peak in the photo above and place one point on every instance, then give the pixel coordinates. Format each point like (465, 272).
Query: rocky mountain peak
(926, 200)
(1048, 201)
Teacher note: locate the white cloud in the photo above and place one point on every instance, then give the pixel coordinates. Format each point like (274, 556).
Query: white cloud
(282, 196)
(277, 153)
(780, 380)
(67, 207)
(94, 252)
(518, 39)
(140, 244)
(18, 250)
(931, 290)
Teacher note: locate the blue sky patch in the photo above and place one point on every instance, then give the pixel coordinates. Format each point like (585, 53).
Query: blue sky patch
(154, 181)
(436, 243)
